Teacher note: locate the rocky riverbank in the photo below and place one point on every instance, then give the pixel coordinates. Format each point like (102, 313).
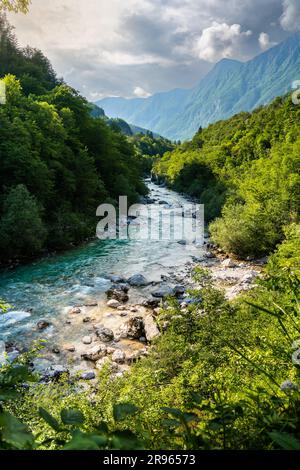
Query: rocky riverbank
(111, 318)
(119, 331)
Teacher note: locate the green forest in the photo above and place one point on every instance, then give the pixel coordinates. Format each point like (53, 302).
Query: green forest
(222, 374)
(58, 162)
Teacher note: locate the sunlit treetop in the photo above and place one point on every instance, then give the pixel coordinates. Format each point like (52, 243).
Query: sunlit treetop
(15, 5)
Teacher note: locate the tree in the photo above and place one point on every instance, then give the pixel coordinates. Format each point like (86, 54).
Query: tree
(15, 5)
(21, 227)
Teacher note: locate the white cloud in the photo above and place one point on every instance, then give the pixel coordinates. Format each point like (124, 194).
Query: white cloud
(140, 92)
(108, 46)
(290, 19)
(265, 42)
(220, 40)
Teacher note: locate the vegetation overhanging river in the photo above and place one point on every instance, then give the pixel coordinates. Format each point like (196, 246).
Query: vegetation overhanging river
(48, 288)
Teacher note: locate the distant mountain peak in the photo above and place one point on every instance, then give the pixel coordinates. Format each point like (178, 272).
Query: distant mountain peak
(230, 87)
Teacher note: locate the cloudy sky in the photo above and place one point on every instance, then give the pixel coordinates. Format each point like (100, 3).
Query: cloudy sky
(139, 47)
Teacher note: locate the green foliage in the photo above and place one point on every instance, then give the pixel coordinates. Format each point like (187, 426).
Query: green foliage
(68, 161)
(222, 375)
(21, 228)
(15, 5)
(149, 148)
(247, 170)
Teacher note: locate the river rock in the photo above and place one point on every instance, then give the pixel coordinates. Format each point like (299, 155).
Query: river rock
(182, 242)
(228, 263)
(95, 353)
(87, 340)
(106, 361)
(150, 328)
(91, 303)
(138, 280)
(118, 356)
(56, 350)
(116, 279)
(113, 303)
(104, 334)
(69, 347)
(56, 371)
(209, 255)
(133, 328)
(117, 294)
(179, 290)
(75, 310)
(249, 277)
(163, 292)
(88, 376)
(151, 303)
(42, 324)
(123, 313)
(86, 320)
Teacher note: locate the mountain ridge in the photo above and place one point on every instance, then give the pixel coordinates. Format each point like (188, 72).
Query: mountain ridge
(229, 87)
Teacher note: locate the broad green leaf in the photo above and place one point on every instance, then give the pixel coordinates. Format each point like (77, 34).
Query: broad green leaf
(72, 417)
(15, 433)
(125, 440)
(122, 410)
(49, 419)
(82, 441)
(285, 440)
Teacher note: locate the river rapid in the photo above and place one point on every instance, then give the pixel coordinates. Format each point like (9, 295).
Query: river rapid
(48, 288)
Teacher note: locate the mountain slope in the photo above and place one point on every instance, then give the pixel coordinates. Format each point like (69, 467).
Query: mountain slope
(230, 87)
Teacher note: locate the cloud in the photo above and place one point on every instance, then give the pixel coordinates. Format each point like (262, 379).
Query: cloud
(290, 19)
(105, 48)
(265, 42)
(220, 40)
(140, 92)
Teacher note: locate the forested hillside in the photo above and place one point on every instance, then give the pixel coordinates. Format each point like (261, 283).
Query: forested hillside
(58, 163)
(246, 170)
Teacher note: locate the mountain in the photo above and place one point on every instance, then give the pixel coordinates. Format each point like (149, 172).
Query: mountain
(124, 127)
(229, 88)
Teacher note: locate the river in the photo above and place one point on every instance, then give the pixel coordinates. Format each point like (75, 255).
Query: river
(47, 288)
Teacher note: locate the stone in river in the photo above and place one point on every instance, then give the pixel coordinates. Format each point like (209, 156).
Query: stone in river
(56, 371)
(150, 327)
(138, 280)
(42, 324)
(152, 303)
(116, 279)
(86, 319)
(228, 263)
(113, 303)
(163, 292)
(118, 295)
(55, 350)
(179, 290)
(118, 356)
(106, 361)
(75, 310)
(87, 340)
(95, 353)
(69, 347)
(133, 328)
(88, 376)
(104, 334)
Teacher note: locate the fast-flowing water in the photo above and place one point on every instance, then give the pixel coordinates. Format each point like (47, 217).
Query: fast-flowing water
(46, 288)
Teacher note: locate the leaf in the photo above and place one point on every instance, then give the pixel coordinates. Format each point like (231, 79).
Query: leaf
(285, 440)
(82, 441)
(122, 410)
(15, 433)
(173, 411)
(125, 440)
(72, 417)
(49, 419)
